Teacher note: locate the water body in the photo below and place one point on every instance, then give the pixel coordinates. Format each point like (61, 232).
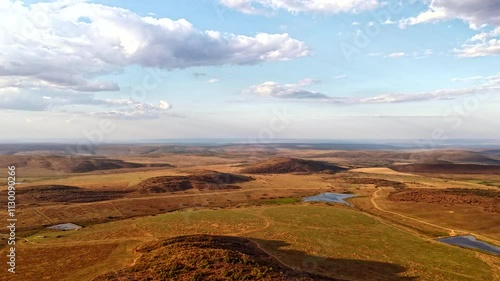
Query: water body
(65, 226)
(470, 241)
(330, 198)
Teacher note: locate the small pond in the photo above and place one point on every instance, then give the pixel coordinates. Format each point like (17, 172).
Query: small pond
(65, 226)
(330, 198)
(470, 241)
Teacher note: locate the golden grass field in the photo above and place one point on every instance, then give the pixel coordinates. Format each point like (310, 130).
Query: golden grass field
(375, 239)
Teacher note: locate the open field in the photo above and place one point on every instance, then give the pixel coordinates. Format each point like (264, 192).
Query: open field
(388, 233)
(328, 240)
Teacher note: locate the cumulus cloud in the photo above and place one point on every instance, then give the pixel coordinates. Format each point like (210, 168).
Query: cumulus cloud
(478, 14)
(300, 6)
(14, 99)
(481, 45)
(475, 12)
(299, 92)
(65, 44)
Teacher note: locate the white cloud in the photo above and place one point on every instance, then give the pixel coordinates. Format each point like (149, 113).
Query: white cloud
(477, 13)
(67, 44)
(165, 105)
(487, 81)
(213, 80)
(388, 22)
(33, 120)
(135, 110)
(285, 91)
(482, 44)
(14, 99)
(415, 54)
(30, 100)
(446, 94)
(298, 91)
(343, 76)
(397, 55)
(301, 6)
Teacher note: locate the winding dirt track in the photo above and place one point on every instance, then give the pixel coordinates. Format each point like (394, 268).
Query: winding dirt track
(375, 196)
(449, 230)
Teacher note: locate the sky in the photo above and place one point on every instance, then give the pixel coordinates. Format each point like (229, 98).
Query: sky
(252, 69)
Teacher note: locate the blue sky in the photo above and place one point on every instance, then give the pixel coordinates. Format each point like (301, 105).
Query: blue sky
(227, 68)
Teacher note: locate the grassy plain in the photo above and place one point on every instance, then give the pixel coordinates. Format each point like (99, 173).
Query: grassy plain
(376, 239)
(329, 240)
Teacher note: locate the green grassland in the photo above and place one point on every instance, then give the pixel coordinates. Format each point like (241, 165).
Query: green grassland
(330, 240)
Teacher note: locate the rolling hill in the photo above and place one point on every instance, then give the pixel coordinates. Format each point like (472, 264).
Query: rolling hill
(201, 180)
(207, 257)
(291, 165)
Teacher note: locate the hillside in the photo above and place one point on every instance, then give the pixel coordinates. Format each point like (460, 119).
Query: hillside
(65, 194)
(384, 157)
(71, 164)
(448, 169)
(201, 180)
(206, 257)
(291, 165)
(488, 199)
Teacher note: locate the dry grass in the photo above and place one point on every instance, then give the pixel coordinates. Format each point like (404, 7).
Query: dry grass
(329, 240)
(332, 241)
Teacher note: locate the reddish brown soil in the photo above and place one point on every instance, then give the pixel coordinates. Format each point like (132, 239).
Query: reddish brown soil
(291, 165)
(488, 199)
(205, 257)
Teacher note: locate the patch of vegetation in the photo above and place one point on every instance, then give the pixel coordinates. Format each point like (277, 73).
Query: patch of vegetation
(488, 199)
(66, 194)
(377, 182)
(202, 180)
(207, 257)
(73, 164)
(280, 201)
(474, 191)
(447, 169)
(291, 165)
(490, 183)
